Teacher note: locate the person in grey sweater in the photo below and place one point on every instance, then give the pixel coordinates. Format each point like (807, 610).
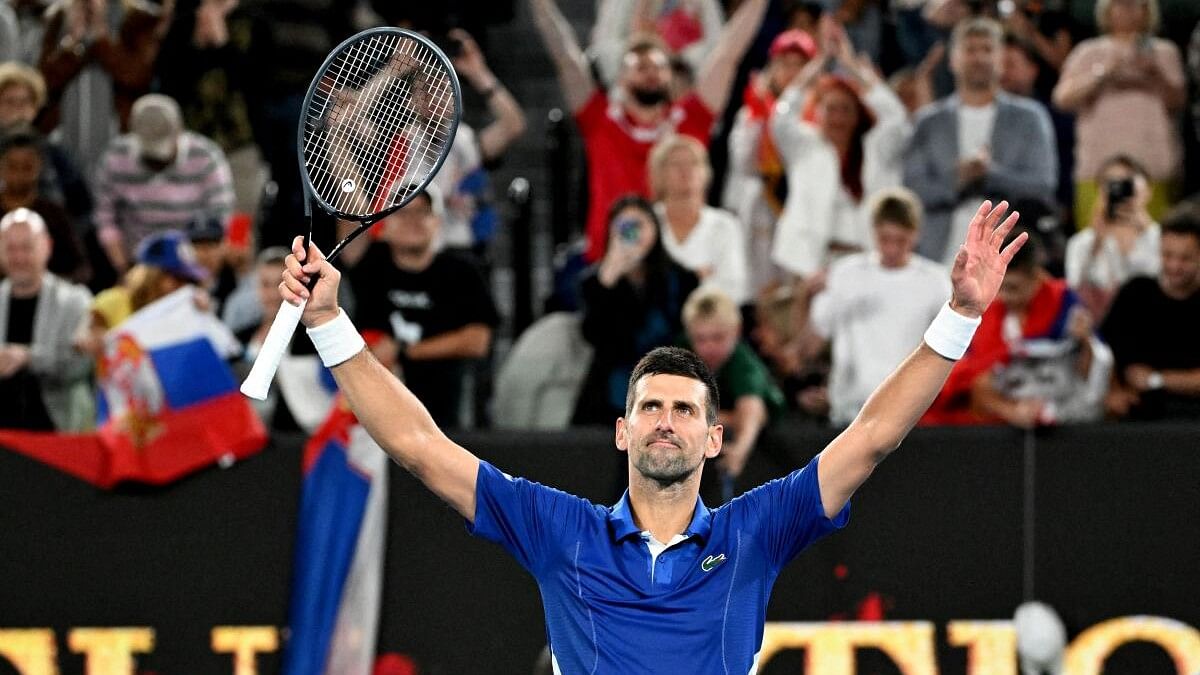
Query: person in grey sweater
(43, 378)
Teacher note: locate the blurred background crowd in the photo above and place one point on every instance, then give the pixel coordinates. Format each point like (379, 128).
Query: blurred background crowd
(780, 185)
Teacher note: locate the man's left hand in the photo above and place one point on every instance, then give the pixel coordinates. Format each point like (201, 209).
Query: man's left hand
(980, 265)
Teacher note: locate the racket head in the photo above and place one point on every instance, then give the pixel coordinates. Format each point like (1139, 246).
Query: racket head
(377, 123)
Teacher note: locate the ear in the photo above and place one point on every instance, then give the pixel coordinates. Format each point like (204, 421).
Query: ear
(622, 435)
(716, 439)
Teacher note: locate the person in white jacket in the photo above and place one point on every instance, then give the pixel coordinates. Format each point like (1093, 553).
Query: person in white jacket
(842, 138)
(755, 180)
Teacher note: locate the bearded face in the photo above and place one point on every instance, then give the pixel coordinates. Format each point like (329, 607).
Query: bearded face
(666, 432)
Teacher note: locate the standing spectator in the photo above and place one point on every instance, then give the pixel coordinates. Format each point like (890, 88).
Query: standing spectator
(203, 66)
(978, 142)
(1122, 242)
(1126, 88)
(1019, 76)
(21, 160)
(618, 132)
(22, 95)
(43, 380)
(632, 300)
(748, 396)
(435, 306)
(98, 57)
(842, 138)
(290, 39)
(876, 305)
(1154, 329)
(705, 240)
(1034, 360)
(158, 177)
(470, 221)
(688, 28)
(756, 184)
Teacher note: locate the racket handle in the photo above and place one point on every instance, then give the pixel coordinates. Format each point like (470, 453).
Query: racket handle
(258, 382)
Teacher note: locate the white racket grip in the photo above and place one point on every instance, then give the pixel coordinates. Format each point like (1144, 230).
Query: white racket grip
(258, 382)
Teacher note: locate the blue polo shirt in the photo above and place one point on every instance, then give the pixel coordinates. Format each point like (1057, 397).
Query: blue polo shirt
(698, 609)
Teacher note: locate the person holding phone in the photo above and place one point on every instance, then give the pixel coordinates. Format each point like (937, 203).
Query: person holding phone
(1126, 88)
(632, 302)
(1123, 239)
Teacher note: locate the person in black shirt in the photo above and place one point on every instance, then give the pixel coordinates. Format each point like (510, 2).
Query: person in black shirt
(1153, 328)
(433, 307)
(632, 302)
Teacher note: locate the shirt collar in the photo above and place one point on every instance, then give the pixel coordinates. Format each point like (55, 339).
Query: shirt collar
(621, 525)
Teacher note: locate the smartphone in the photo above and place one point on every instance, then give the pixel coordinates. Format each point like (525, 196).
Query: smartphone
(629, 230)
(1117, 192)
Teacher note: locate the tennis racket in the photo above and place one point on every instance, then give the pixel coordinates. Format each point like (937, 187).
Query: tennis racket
(377, 123)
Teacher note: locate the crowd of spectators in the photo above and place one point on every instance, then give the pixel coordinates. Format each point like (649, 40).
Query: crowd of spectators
(779, 185)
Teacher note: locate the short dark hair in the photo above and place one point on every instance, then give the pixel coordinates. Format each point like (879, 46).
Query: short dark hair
(675, 361)
(1183, 220)
(1029, 258)
(22, 138)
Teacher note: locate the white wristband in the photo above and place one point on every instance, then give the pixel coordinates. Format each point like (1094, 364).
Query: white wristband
(336, 341)
(950, 333)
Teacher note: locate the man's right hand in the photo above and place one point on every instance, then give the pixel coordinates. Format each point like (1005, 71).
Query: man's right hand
(299, 268)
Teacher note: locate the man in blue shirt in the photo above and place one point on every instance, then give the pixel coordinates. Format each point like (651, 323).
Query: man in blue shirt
(659, 582)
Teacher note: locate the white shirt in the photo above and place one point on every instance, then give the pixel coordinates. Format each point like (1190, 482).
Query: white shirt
(716, 244)
(974, 132)
(1110, 268)
(463, 159)
(875, 317)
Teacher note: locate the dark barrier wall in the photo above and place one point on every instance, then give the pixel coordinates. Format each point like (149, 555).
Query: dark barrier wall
(937, 534)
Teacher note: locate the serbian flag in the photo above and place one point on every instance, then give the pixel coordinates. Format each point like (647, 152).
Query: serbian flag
(168, 402)
(337, 568)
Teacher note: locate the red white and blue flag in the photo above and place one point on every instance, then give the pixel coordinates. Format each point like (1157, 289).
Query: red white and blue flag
(337, 570)
(168, 402)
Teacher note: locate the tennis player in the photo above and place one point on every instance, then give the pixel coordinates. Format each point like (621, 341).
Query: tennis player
(659, 582)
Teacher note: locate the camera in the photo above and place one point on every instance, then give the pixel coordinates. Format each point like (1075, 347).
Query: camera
(1117, 192)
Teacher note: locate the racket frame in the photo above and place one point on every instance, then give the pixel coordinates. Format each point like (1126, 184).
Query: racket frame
(310, 192)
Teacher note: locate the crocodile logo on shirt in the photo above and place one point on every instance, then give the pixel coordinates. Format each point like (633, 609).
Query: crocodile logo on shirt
(711, 562)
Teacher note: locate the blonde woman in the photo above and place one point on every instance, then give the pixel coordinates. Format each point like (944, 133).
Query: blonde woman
(708, 241)
(1126, 88)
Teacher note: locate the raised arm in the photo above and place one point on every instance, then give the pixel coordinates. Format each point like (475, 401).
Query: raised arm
(508, 120)
(573, 74)
(896, 405)
(716, 75)
(393, 416)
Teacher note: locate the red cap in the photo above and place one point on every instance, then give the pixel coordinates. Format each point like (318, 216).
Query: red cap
(794, 40)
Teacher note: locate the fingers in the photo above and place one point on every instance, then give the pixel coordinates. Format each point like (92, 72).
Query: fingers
(1015, 245)
(1001, 232)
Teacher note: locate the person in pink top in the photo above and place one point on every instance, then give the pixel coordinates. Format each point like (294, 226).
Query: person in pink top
(1126, 88)
(620, 127)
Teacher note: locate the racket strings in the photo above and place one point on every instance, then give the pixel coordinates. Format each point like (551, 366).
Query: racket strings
(377, 124)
